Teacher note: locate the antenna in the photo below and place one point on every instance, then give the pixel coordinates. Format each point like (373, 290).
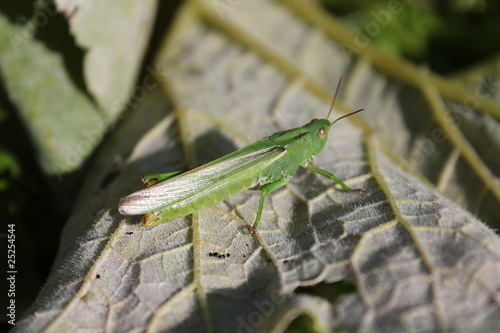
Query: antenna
(347, 115)
(333, 102)
(335, 96)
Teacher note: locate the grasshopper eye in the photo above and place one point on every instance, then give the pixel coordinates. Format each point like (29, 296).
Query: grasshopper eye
(321, 133)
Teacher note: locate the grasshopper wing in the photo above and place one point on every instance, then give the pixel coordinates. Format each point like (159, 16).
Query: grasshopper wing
(202, 186)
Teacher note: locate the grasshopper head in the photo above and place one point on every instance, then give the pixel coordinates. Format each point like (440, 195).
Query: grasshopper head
(319, 129)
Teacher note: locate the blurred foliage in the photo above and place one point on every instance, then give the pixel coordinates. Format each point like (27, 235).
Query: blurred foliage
(303, 323)
(24, 195)
(446, 35)
(9, 169)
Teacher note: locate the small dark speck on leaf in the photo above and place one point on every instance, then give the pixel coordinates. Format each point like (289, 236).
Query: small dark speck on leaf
(218, 255)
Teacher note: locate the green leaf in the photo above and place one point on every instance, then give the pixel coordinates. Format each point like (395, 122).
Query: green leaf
(115, 45)
(64, 121)
(59, 117)
(234, 72)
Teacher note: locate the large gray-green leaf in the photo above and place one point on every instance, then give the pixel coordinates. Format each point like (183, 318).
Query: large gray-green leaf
(418, 261)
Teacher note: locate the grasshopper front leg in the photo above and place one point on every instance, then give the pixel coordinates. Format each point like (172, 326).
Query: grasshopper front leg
(266, 189)
(328, 175)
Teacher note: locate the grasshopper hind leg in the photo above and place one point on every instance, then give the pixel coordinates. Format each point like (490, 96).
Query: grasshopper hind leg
(155, 178)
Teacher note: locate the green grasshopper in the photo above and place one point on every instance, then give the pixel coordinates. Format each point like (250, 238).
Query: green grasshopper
(266, 165)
